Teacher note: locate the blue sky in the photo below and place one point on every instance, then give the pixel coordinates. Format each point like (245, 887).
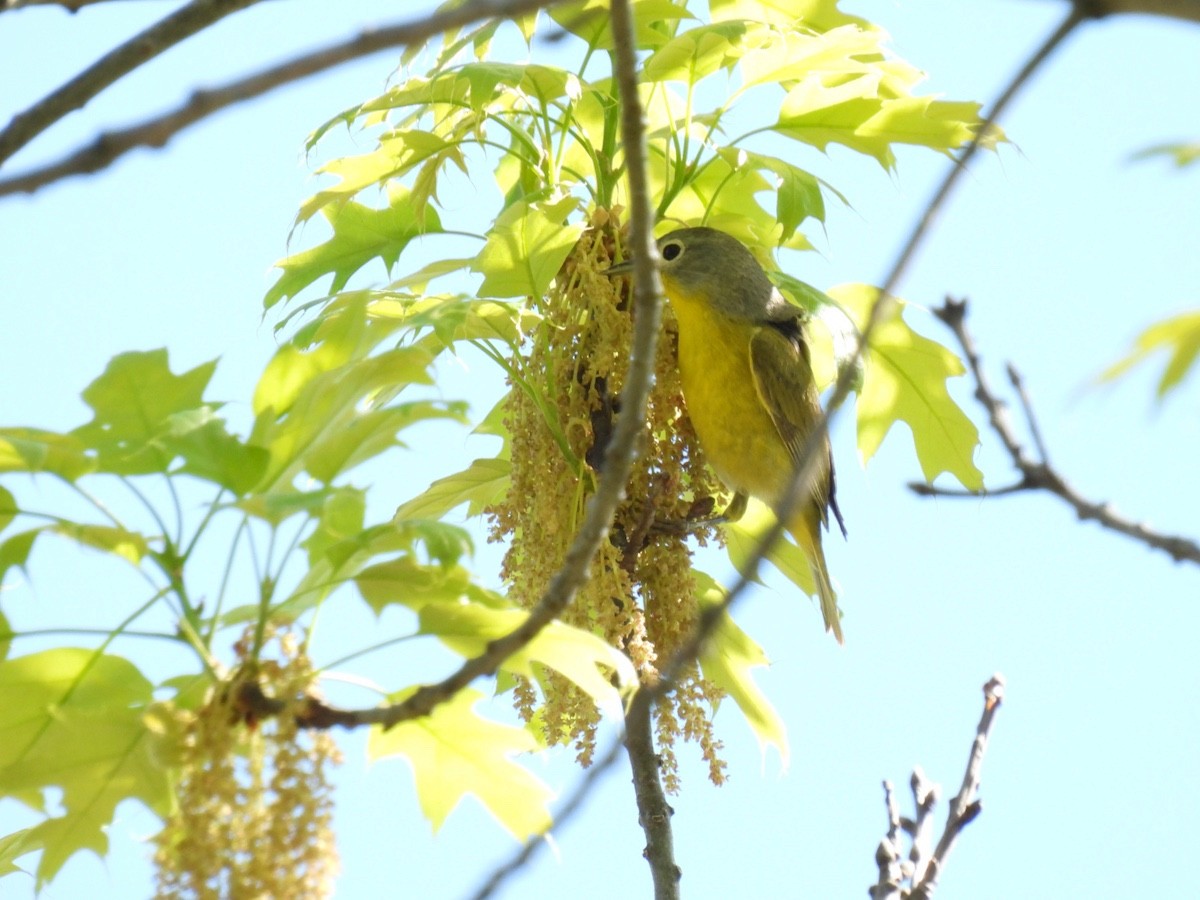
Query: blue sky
(1065, 248)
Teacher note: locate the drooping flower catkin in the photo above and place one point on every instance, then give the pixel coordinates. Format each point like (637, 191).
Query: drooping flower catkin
(641, 594)
(255, 806)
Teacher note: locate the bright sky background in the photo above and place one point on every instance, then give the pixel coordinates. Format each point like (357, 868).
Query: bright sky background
(1066, 249)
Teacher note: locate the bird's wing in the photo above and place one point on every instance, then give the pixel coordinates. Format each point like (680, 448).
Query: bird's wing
(783, 379)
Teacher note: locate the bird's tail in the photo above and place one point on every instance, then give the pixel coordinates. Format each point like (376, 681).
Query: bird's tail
(808, 535)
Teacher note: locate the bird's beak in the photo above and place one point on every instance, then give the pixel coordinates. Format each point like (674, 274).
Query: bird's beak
(620, 268)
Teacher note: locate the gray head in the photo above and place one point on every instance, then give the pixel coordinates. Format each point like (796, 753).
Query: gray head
(719, 268)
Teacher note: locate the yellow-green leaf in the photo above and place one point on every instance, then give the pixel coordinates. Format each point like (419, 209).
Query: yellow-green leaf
(815, 15)
(129, 545)
(1178, 337)
(14, 846)
(1183, 154)
(743, 537)
(526, 247)
(904, 379)
(133, 402)
(8, 508)
(408, 582)
(728, 660)
(481, 484)
(587, 660)
(360, 234)
(454, 752)
(72, 720)
(698, 52)
(35, 450)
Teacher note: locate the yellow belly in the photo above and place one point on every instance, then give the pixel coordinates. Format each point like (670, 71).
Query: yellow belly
(735, 431)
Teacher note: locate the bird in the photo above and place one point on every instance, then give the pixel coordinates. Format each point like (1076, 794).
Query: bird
(748, 385)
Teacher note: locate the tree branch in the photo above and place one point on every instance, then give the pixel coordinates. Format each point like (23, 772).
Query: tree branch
(965, 807)
(924, 865)
(1186, 10)
(1038, 474)
(164, 34)
(155, 132)
(654, 813)
(191, 19)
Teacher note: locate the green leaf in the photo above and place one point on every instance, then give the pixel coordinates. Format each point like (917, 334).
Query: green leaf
(481, 484)
(333, 563)
(814, 15)
(34, 450)
(526, 247)
(279, 505)
(72, 720)
(589, 20)
(587, 660)
(339, 523)
(1183, 154)
(699, 52)
(1178, 337)
(371, 433)
(905, 380)
(13, 846)
(454, 752)
(133, 403)
(728, 660)
(8, 508)
(743, 537)
(398, 152)
(15, 550)
(129, 545)
(407, 582)
(360, 234)
(308, 396)
(210, 452)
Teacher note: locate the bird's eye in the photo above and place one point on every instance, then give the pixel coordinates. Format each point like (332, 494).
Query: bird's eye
(672, 251)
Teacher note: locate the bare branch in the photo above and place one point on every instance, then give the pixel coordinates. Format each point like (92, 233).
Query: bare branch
(164, 34)
(925, 861)
(72, 6)
(887, 857)
(1187, 10)
(194, 17)
(654, 813)
(1038, 474)
(155, 132)
(965, 807)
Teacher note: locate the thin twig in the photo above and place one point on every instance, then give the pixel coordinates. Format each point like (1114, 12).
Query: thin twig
(72, 6)
(926, 861)
(114, 65)
(565, 813)
(1035, 431)
(887, 856)
(1077, 14)
(186, 22)
(1036, 473)
(965, 807)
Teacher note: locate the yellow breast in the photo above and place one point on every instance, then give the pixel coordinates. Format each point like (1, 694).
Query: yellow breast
(734, 428)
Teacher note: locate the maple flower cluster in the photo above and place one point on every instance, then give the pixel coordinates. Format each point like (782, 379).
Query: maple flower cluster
(641, 594)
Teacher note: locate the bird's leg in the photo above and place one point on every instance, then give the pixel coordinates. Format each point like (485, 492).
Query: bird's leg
(733, 512)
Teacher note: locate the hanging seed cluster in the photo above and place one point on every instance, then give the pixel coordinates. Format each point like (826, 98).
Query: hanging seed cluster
(560, 414)
(255, 805)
